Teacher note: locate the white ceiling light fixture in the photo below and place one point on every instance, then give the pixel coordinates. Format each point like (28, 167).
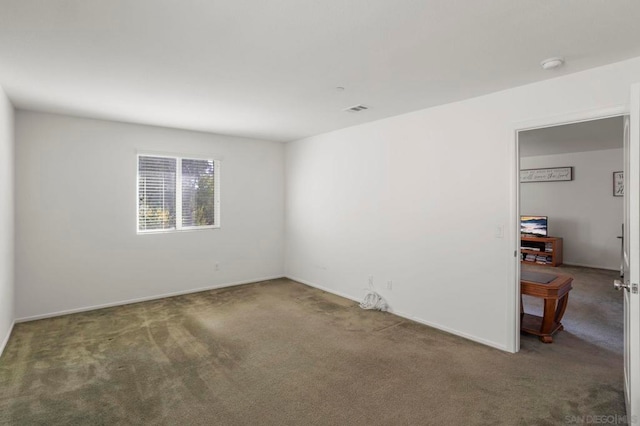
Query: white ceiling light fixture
(552, 63)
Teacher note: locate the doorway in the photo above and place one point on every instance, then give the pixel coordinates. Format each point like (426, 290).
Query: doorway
(584, 213)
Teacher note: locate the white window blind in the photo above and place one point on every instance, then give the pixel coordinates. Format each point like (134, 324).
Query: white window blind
(177, 193)
(156, 193)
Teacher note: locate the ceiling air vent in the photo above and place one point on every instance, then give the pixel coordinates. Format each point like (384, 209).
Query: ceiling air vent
(356, 108)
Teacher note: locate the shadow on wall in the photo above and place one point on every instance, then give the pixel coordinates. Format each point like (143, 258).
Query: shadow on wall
(561, 227)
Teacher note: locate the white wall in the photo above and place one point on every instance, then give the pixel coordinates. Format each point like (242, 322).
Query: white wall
(76, 241)
(6, 220)
(417, 198)
(583, 211)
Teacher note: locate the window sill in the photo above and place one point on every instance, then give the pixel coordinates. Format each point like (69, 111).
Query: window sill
(175, 231)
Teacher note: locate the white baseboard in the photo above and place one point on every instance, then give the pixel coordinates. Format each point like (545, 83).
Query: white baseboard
(608, 268)
(409, 317)
(143, 299)
(6, 338)
(454, 332)
(319, 287)
(197, 290)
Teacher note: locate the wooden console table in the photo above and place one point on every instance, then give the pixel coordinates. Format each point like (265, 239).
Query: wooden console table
(555, 294)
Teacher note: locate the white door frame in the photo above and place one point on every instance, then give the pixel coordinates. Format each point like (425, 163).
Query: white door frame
(513, 295)
(631, 262)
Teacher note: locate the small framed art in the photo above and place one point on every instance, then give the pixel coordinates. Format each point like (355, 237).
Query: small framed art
(618, 184)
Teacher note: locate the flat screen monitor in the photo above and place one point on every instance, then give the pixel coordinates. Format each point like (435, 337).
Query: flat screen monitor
(534, 225)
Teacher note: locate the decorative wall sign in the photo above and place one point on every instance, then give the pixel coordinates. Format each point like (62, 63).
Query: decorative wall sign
(553, 174)
(618, 184)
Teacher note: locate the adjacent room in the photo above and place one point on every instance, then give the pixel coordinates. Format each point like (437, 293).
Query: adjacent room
(241, 212)
(572, 214)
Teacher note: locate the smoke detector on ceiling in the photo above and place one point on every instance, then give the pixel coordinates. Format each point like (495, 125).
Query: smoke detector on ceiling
(356, 108)
(552, 63)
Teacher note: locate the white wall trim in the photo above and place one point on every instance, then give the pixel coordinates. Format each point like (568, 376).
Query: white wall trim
(608, 268)
(319, 287)
(513, 291)
(571, 118)
(6, 339)
(406, 316)
(513, 271)
(452, 331)
(144, 299)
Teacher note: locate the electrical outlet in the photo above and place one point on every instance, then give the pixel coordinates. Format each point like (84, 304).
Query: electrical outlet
(389, 285)
(370, 279)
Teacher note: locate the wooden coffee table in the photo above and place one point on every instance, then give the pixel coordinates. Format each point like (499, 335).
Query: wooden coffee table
(556, 295)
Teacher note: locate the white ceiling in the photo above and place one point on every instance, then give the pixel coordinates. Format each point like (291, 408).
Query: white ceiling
(268, 69)
(592, 135)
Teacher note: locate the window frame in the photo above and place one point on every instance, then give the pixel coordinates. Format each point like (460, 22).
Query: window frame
(178, 192)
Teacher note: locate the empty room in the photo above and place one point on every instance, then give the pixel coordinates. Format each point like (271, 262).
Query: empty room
(303, 212)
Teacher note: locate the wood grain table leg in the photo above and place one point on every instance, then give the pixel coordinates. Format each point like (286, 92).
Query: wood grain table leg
(562, 306)
(556, 296)
(548, 320)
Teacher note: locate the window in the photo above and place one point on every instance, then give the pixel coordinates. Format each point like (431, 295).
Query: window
(176, 193)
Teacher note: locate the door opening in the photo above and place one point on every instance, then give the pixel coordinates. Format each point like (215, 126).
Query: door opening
(570, 218)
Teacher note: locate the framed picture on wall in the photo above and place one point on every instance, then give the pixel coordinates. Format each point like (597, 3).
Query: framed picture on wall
(552, 174)
(618, 184)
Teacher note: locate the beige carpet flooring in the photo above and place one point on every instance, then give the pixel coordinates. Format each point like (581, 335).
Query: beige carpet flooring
(282, 353)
